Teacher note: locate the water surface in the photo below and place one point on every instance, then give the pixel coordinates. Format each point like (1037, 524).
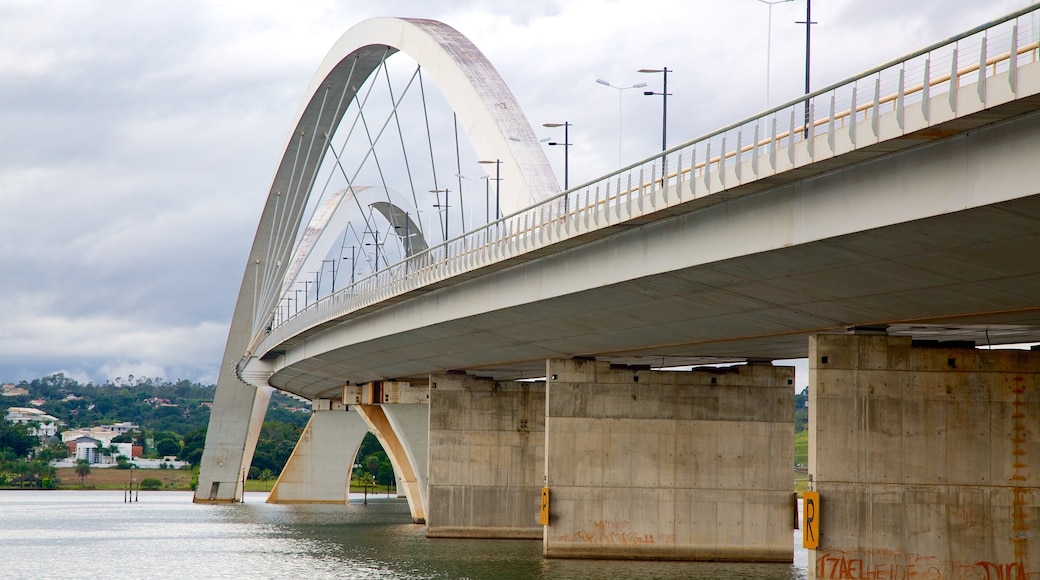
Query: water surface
(94, 534)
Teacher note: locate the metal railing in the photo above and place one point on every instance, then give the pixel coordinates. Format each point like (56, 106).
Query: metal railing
(744, 151)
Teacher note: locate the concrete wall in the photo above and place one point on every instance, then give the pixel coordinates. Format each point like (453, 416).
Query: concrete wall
(318, 471)
(925, 460)
(487, 450)
(672, 465)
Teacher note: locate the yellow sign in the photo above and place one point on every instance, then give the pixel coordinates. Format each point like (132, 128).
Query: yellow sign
(543, 513)
(811, 520)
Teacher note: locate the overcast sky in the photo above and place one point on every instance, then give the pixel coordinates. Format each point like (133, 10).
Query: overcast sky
(138, 138)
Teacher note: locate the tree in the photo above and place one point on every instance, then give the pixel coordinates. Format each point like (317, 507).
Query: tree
(151, 483)
(82, 469)
(167, 446)
(16, 438)
(194, 442)
(372, 463)
(266, 476)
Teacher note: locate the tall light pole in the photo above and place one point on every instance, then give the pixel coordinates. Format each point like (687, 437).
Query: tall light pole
(566, 147)
(808, 35)
(498, 185)
(487, 189)
(445, 205)
(664, 105)
(332, 265)
(353, 260)
(620, 116)
(769, 40)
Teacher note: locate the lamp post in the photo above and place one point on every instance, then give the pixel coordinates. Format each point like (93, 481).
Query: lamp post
(808, 34)
(306, 293)
(664, 105)
(769, 40)
(566, 148)
(620, 116)
(353, 264)
(487, 189)
(498, 185)
(375, 243)
(445, 205)
(332, 266)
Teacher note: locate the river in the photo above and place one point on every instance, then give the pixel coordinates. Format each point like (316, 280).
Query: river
(94, 534)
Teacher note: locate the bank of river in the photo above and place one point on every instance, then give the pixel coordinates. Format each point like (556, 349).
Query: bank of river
(93, 534)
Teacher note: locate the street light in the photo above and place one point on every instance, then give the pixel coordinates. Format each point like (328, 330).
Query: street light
(438, 193)
(664, 93)
(808, 34)
(332, 265)
(769, 40)
(619, 90)
(353, 262)
(566, 148)
(498, 185)
(487, 190)
(306, 292)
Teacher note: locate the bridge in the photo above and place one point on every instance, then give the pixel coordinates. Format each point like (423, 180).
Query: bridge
(516, 372)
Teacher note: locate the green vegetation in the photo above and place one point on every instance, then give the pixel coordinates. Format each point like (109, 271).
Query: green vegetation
(172, 416)
(151, 483)
(372, 466)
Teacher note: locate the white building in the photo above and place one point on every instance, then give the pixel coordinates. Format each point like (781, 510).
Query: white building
(122, 428)
(102, 434)
(42, 424)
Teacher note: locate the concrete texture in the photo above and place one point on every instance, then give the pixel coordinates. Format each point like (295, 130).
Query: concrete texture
(669, 465)
(487, 455)
(318, 471)
(925, 459)
(234, 427)
(403, 430)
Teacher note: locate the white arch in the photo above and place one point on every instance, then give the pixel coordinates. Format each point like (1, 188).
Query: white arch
(487, 112)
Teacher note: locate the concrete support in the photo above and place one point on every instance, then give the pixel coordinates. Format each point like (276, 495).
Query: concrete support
(234, 427)
(487, 456)
(669, 465)
(925, 459)
(318, 471)
(398, 413)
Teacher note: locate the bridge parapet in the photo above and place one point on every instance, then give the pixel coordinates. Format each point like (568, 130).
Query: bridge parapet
(980, 77)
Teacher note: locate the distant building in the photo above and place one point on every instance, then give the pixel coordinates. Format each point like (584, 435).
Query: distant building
(41, 424)
(101, 434)
(9, 390)
(98, 454)
(122, 428)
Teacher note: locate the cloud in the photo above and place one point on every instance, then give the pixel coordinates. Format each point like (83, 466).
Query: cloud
(140, 137)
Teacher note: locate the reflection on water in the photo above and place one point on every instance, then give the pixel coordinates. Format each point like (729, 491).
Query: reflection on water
(93, 534)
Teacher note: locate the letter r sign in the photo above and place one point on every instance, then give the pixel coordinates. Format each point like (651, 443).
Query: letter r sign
(811, 520)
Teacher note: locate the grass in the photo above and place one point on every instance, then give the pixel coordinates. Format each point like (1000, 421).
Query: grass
(111, 478)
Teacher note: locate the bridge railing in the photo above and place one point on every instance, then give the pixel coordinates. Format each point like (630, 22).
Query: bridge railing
(846, 114)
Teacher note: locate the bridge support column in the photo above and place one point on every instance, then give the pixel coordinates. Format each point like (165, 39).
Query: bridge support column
(669, 465)
(398, 413)
(234, 427)
(487, 456)
(925, 459)
(318, 471)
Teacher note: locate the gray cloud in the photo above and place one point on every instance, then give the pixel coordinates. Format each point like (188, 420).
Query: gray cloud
(139, 138)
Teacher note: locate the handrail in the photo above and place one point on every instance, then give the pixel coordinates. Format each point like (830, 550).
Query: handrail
(609, 199)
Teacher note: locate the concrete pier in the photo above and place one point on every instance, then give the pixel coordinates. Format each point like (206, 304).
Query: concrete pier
(398, 414)
(669, 465)
(925, 459)
(487, 450)
(318, 471)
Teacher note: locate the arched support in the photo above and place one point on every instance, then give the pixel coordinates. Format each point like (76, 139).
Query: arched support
(403, 431)
(487, 112)
(234, 426)
(318, 471)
